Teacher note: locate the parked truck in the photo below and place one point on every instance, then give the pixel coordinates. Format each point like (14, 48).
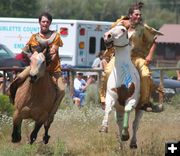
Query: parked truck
(82, 39)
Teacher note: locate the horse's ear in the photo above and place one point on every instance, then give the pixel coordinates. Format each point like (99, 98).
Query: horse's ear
(30, 47)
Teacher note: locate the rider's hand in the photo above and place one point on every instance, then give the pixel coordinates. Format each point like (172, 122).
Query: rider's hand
(148, 60)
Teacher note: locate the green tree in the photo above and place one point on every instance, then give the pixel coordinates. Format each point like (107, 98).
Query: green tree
(155, 12)
(20, 8)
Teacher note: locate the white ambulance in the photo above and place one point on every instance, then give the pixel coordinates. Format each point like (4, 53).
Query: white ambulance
(82, 39)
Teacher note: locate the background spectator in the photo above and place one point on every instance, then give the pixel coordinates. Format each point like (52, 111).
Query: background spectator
(98, 61)
(80, 86)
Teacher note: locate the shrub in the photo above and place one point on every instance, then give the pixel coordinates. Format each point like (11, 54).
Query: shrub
(176, 100)
(5, 106)
(92, 95)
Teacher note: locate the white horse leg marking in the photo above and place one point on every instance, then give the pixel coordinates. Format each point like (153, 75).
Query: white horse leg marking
(131, 104)
(110, 102)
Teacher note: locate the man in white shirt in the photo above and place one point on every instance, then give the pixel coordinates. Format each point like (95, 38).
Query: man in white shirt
(98, 61)
(80, 86)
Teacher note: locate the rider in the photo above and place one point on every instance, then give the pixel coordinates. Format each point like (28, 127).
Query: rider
(39, 41)
(142, 39)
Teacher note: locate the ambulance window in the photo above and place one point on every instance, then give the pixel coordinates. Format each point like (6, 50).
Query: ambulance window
(102, 46)
(92, 45)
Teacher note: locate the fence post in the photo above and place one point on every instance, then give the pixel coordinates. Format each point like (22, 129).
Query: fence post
(4, 82)
(72, 74)
(161, 94)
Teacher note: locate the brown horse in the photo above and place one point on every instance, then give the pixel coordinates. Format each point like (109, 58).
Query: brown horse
(35, 99)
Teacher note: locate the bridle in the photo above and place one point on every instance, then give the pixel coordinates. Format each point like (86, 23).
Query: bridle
(119, 46)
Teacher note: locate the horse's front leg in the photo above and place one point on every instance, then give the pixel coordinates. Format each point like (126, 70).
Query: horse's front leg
(110, 102)
(16, 133)
(138, 116)
(34, 133)
(130, 104)
(47, 125)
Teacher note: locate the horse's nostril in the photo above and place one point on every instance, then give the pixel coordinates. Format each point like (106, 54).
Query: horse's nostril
(33, 78)
(109, 36)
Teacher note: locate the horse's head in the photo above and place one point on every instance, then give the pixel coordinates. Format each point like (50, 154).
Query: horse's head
(116, 36)
(37, 65)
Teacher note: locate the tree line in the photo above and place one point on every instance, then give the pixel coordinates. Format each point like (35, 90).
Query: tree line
(155, 12)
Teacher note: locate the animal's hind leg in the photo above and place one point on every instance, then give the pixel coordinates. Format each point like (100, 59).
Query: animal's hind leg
(138, 116)
(16, 133)
(34, 133)
(119, 121)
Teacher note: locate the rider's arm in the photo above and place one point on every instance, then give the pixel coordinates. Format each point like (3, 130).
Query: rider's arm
(151, 53)
(55, 47)
(54, 52)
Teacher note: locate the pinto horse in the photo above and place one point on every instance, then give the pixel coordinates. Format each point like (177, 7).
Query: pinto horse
(36, 99)
(123, 86)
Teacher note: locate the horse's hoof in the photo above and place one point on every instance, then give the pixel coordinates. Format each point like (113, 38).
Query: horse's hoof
(16, 139)
(133, 146)
(32, 141)
(125, 135)
(104, 129)
(46, 139)
(120, 147)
